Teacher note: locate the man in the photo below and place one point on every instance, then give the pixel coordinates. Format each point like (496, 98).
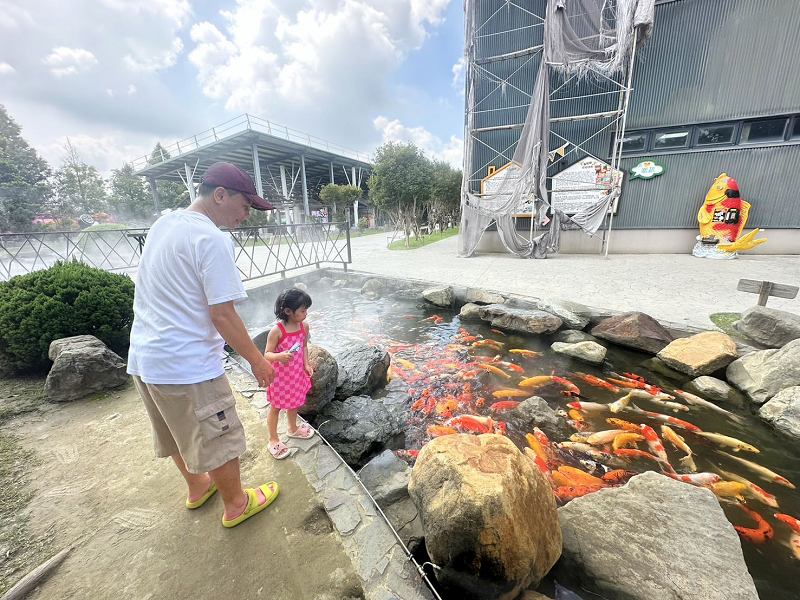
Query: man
(186, 288)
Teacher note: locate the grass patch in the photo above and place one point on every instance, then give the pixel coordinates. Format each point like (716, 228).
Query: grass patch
(365, 232)
(414, 243)
(725, 322)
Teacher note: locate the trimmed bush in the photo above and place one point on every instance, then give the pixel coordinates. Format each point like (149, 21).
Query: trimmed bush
(65, 300)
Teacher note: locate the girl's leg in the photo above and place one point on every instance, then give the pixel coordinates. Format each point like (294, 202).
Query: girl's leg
(272, 424)
(291, 417)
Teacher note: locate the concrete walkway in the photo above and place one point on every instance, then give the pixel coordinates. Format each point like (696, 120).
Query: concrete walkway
(671, 287)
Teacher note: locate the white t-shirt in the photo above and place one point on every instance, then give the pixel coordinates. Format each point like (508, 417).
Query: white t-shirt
(187, 265)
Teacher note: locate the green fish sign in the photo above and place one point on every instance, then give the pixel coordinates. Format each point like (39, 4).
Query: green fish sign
(647, 169)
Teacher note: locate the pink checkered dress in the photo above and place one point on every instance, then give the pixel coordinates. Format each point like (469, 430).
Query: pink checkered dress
(291, 384)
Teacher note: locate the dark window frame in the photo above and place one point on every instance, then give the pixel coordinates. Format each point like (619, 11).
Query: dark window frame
(746, 122)
(657, 132)
(737, 128)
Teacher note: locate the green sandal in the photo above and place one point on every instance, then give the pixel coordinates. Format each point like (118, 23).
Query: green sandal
(253, 507)
(193, 504)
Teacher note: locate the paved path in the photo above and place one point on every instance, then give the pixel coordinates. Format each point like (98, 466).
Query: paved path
(671, 287)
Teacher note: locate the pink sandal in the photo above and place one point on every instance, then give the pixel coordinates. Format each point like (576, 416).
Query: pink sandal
(303, 432)
(279, 450)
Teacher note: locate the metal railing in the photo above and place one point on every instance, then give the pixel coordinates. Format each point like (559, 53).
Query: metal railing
(259, 251)
(239, 124)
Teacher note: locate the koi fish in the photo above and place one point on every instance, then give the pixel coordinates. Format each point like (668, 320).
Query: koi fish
(665, 418)
(626, 425)
(509, 393)
(620, 404)
(758, 535)
(407, 453)
(634, 376)
(511, 367)
(677, 441)
(566, 493)
(577, 420)
(604, 437)
(581, 437)
(494, 370)
(698, 401)
(788, 520)
(560, 480)
(697, 478)
(617, 476)
(537, 381)
(580, 477)
(594, 453)
(467, 339)
(497, 331)
(435, 318)
(626, 440)
(724, 440)
(625, 383)
(504, 405)
(440, 430)
(473, 423)
(729, 489)
(525, 353)
(596, 382)
(406, 364)
(571, 388)
(762, 471)
(659, 398)
(635, 453)
(588, 406)
(495, 345)
(755, 492)
(635, 382)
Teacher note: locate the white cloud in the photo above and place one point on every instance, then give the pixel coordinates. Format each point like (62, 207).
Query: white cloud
(131, 89)
(176, 11)
(6, 69)
(105, 151)
(13, 16)
(69, 61)
(459, 71)
(450, 151)
(145, 60)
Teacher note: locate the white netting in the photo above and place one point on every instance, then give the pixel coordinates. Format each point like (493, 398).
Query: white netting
(581, 37)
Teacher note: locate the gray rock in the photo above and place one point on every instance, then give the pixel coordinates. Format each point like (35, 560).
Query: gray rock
(535, 412)
(359, 428)
(325, 283)
(479, 296)
(520, 319)
(715, 390)
(323, 381)
(700, 354)
(783, 411)
(573, 336)
(470, 312)
(769, 326)
(590, 352)
(82, 365)
(654, 538)
(634, 330)
(362, 368)
(571, 319)
(764, 373)
(374, 288)
(397, 401)
(440, 296)
(386, 477)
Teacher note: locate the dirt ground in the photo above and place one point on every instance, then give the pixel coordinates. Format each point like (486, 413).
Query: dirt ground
(84, 474)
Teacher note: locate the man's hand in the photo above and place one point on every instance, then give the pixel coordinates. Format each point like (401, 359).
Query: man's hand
(263, 371)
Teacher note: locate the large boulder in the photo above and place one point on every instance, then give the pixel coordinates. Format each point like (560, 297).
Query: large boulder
(573, 336)
(564, 311)
(362, 368)
(769, 326)
(375, 288)
(520, 319)
(440, 296)
(714, 389)
(535, 412)
(700, 354)
(488, 514)
(82, 365)
(634, 330)
(386, 477)
(323, 381)
(590, 352)
(470, 312)
(359, 427)
(653, 538)
(764, 373)
(783, 411)
(479, 296)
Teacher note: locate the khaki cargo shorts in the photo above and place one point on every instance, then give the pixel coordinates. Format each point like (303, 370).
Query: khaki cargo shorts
(197, 421)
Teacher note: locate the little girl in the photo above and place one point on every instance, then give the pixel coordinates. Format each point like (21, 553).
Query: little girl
(287, 349)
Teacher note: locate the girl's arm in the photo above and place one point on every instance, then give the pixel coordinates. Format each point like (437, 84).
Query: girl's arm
(273, 339)
(306, 364)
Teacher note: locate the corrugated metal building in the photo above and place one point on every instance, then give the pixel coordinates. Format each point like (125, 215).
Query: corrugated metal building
(715, 90)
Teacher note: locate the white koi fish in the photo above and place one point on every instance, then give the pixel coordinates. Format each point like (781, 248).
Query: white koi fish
(730, 442)
(754, 491)
(762, 471)
(698, 401)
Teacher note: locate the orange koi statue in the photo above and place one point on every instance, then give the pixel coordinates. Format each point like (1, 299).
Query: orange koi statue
(722, 218)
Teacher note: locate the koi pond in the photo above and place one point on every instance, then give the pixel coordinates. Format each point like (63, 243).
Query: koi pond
(618, 420)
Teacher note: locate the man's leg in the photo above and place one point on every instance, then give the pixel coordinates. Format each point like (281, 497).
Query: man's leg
(229, 484)
(198, 483)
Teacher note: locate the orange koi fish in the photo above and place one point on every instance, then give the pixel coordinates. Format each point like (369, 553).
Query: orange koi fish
(626, 425)
(626, 440)
(494, 370)
(535, 445)
(729, 489)
(406, 364)
(588, 406)
(577, 420)
(467, 339)
(440, 430)
(788, 520)
(754, 491)
(604, 437)
(625, 383)
(473, 423)
(497, 331)
(525, 353)
(665, 418)
(654, 443)
(509, 393)
(511, 367)
(758, 535)
(617, 476)
(634, 376)
(435, 318)
(565, 493)
(560, 480)
(495, 345)
(633, 453)
(596, 382)
(580, 477)
(537, 381)
(677, 441)
(504, 405)
(571, 388)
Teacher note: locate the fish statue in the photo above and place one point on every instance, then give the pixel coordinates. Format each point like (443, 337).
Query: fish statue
(722, 219)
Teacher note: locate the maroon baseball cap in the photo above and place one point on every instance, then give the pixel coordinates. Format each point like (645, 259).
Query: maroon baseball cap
(231, 177)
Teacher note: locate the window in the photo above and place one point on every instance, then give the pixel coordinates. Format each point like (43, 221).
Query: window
(796, 128)
(708, 135)
(634, 142)
(766, 130)
(664, 140)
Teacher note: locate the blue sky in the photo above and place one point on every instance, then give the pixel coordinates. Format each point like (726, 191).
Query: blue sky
(355, 72)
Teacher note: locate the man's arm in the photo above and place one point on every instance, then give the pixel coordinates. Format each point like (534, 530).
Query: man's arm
(230, 326)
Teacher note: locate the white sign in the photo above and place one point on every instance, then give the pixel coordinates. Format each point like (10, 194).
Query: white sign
(583, 185)
(502, 178)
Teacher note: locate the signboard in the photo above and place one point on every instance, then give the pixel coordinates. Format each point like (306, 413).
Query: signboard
(497, 178)
(647, 169)
(583, 185)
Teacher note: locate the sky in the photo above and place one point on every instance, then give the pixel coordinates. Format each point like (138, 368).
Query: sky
(116, 76)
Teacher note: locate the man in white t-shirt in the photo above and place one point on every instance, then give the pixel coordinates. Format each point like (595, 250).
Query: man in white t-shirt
(186, 287)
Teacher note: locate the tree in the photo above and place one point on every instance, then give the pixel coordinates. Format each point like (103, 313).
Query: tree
(79, 187)
(400, 184)
(340, 198)
(24, 177)
(445, 198)
(171, 194)
(129, 198)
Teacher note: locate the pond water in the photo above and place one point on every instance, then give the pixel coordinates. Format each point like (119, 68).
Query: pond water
(458, 371)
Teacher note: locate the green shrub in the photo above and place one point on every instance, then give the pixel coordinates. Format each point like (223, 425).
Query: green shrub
(363, 223)
(65, 300)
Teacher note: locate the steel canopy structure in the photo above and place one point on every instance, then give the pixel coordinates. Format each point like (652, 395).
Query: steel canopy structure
(288, 166)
